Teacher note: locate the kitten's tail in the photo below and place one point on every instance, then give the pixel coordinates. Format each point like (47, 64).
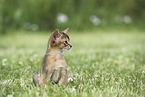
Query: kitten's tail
(35, 79)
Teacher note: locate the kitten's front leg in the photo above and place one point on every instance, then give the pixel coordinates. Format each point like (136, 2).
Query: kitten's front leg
(63, 76)
(55, 75)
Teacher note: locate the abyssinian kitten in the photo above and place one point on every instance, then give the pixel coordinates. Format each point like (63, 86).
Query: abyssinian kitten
(54, 66)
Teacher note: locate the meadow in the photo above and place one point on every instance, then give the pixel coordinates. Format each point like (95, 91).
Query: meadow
(100, 64)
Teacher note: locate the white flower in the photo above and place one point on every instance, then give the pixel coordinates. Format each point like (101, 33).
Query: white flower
(95, 20)
(70, 79)
(21, 63)
(9, 95)
(3, 62)
(34, 27)
(143, 71)
(96, 75)
(62, 18)
(6, 81)
(31, 59)
(73, 89)
(127, 19)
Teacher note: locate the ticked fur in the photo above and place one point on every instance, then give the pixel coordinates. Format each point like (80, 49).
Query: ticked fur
(54, 66)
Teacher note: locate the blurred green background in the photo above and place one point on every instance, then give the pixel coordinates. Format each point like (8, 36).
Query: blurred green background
(107, 60)
(40, 15)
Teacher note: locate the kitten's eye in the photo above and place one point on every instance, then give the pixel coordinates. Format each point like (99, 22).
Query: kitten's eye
(65, 42)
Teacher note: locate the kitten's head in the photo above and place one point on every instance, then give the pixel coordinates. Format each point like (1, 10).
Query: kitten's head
(60, 40)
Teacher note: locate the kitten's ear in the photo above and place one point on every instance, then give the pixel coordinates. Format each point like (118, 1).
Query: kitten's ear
(55, 34)
(65, 31)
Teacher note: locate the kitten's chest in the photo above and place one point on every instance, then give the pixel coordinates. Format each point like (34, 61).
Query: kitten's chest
(60, 63)
(58, 55)
(56, 61)
(59, 60)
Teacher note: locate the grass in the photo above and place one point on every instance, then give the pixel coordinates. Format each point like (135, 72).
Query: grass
(100, 64)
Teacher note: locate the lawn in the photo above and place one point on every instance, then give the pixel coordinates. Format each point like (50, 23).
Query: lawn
(100, 64)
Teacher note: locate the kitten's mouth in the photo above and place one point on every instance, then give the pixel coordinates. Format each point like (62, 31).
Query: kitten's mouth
(69, 47)
(64, 49)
